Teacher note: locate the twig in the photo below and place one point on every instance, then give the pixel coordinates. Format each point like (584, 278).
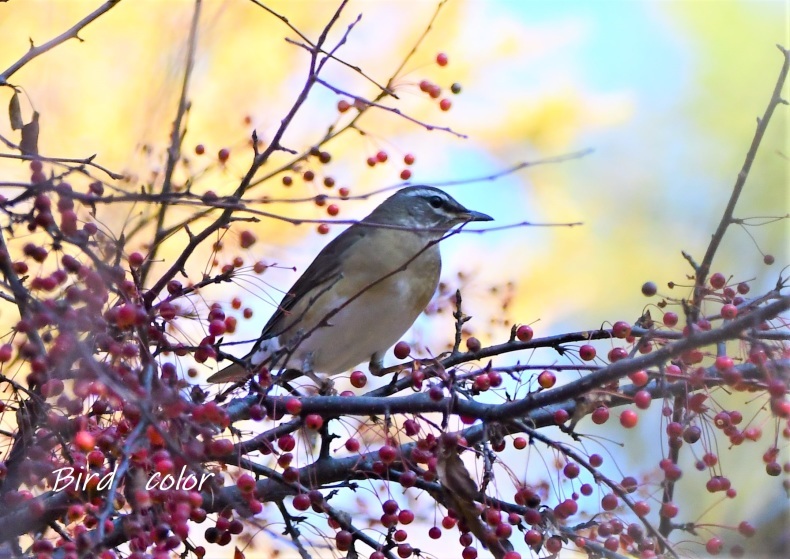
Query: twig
(727, 218)
(176, 140)
(72, 33)
(392, 110)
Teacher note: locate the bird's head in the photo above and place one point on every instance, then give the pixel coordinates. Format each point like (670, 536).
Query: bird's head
(423, 208)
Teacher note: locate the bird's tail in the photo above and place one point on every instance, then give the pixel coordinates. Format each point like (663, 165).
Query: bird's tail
(232, 373)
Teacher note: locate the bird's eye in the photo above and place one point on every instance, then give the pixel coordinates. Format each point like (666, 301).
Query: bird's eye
(435, 202)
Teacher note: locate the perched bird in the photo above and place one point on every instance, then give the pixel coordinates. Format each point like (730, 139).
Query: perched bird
(362, 292)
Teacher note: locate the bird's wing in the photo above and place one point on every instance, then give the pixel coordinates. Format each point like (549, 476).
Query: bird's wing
(320, 275)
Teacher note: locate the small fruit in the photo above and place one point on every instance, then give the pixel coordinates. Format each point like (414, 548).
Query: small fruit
(587, 352)
(524, 333)
(649, 289)
(402, 350)
(547, 379)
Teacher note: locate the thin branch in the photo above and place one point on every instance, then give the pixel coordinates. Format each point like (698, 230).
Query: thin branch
(64, 161)
(727, 218)
(176, 140)
(392, 110)
(72, 33)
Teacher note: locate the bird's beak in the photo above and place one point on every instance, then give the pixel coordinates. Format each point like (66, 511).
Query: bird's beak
(470, 215)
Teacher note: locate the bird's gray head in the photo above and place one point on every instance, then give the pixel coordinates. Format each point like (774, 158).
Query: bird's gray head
(423, 207)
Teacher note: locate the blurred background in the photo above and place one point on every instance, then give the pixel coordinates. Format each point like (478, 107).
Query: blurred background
(664, 94)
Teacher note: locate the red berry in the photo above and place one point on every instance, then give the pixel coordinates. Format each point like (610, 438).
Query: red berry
(533, 538)
(642, 399)
(136, 260)
(343, 540)
(343, 106)
(524, 333)
(587, 352)
(668, 510)
(405, 174)
(402, 350)
(286, 443)
(333, 209)
(441, 59)
(200, 149)
(301, 502)
(547, 379)
(670, 319)
(293, 406)
(553, 544)
(621, 329)
(717, 280)
(381, 156)
(571, 470)
(358, 379)
(482, 382)
(609, 502)
(746, 529)
(445, 104)
(216, 327)
(246, 483)
(639, 378)
(247, 239)
(616, 354)
(84, 441)
(714, 545)
(388, 453)
(473, 344)
(628, 419)
(408, 159)
(600, 415)
(223, 154)
(642, 508)
(313, 421)
(768, 259)
(6, 352)
(323, 228)
(729, 311)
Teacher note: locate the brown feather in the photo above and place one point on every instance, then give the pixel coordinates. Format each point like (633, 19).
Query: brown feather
(232, 373)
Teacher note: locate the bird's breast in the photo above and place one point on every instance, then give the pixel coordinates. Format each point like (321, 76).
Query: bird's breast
(380, 294)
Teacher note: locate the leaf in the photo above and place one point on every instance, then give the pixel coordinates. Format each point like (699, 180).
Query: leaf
(15, 112)
(29, 143)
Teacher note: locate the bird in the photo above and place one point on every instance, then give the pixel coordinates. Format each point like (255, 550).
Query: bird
(361, 293)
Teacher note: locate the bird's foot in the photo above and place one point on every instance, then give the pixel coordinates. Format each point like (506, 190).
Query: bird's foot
(326, 386)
